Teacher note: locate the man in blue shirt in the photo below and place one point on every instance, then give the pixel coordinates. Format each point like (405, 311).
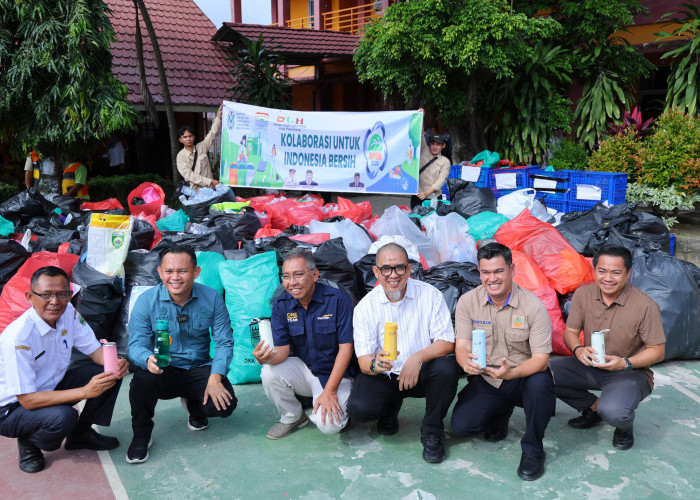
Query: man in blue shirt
(191, 310)
(312, 333)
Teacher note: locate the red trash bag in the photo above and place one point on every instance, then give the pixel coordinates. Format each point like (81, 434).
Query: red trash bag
(258, 202)
(303, 213)
(146, 209)
(263, 218)
(564, 267)
(266, 232)
(13, 300)
(108, 204)
(311, 198)
(314, 239)
(277, 210)
(530, 277)
(355, 212)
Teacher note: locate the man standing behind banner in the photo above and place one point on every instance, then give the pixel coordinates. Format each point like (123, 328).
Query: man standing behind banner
(193, 161)
(434, 169)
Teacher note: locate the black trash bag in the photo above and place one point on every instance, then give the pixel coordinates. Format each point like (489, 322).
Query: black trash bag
(99, 299)
(692, 269)
(142, 234)
(217, 241)
(136, 201)
(247, 249)
(335, 218)
(293, 230)
(71, 220)
(51, 236)
(279, 243)
(197, 212)
(453, 279)
(12, 256)
(366, 280)
(667, 280)
(242, 226)
(565, 304)
(141, 268)
(75, 247)
(67, 204)
(333, 264)
(23, 207)
(280, 290)
(468, 200)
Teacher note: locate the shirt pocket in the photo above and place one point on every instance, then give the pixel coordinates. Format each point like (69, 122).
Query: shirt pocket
(327, 336)
(297, 335)
(518, 340)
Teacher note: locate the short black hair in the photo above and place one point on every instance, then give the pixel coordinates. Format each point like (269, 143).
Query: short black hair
(178, 249)
(309, 171)
(614, 251)
(184, 129)
(493, 250)
(389, 247)
(357, 174)
(48, 271)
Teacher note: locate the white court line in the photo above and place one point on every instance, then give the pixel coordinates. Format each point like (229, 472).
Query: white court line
(112, 476)
(685, 391)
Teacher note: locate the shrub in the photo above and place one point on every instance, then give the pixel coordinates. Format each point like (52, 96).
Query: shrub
(570, 156)
(7, 191)
(618, 153)
(665, 201)
(671, 155)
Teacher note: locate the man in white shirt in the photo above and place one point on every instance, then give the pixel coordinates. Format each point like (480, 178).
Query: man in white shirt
(425, 366)
(37, 391)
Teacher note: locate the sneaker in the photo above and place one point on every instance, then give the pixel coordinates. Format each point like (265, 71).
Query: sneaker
(91, 440)
(194, 423)
(433, 451)
(498, 430)
(388, 424)
(31, 459)
(138, 451)
(623, 439)
(586, 420)
(280, 430)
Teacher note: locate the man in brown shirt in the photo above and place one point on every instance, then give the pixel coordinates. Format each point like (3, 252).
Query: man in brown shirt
(518, 343)
(193, 160)
(634, 341)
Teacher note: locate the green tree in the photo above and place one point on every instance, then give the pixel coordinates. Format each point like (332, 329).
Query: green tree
(56, 85)
(257, 78)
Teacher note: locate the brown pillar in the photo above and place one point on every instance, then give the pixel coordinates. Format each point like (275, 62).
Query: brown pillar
(282, 12)
(320, 7)
(236, 13)
(273, 10)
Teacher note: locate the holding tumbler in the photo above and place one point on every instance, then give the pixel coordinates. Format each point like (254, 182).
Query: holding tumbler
(390, 341)
(598, 343)
(109, 355)
(479, 347)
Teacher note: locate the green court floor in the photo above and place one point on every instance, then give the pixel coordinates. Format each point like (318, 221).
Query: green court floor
(234, 459)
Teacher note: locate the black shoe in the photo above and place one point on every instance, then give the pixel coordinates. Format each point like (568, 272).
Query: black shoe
(138, 451)
(90, 440)
(586, 420)
(622, 439)
(31, 459)
(194, 423)
(531, 468)
(433, 451)
(388, 424)
(498, 430)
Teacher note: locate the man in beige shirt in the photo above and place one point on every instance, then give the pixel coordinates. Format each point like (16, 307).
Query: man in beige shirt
(434, 169)
(518, 343)
(634, 340)
(193, 160)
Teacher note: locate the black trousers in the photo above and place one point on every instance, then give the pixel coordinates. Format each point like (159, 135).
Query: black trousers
(47, 427)
(373, 396)
(480, 403)
(147, 388)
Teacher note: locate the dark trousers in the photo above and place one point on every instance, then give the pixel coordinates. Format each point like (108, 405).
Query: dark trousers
(620, 394)
(479, 404)
(147, 388)
(372, 396)
(415, 201)
(47, 427)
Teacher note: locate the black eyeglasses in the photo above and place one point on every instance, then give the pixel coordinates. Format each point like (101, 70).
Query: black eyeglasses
(48, 297)
(387, 270)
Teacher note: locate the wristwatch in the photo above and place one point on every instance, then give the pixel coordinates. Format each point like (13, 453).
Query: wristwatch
(628, 367)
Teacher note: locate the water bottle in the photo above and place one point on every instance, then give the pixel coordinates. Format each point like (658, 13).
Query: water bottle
(598, 343)
(162, 343)
(479, 347)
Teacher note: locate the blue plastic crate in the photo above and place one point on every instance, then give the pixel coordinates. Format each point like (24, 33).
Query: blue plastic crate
(456, 173)
(613, 189)
(563, 182)
(521, 179)
(558, 205)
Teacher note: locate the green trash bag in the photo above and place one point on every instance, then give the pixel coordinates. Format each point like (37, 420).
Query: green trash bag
(490, 159)
(485, 224)
(173, 222)
(209, 274)
(249, 286)
(235, 206)
(6, 227)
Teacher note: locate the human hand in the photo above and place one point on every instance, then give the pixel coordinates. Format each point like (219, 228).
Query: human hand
(99, 384)
(122, 368)
(587, 356)
(382, 363)
(408, 378)
(504, 372)
(471, 368)
(263, 353)
(328, 402)
(612, 364)
(214, 183)
(152, 366)
(218, 112)
(217, 392)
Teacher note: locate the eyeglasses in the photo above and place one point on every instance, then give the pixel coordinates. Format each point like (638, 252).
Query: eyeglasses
(387, 270)
(298, 276)
(48, 297)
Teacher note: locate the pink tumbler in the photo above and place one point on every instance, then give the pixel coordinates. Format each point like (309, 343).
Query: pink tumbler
(109, 352)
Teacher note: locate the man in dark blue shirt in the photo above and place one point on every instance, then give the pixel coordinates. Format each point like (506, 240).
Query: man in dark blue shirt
(312, 352)
(191, 310)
